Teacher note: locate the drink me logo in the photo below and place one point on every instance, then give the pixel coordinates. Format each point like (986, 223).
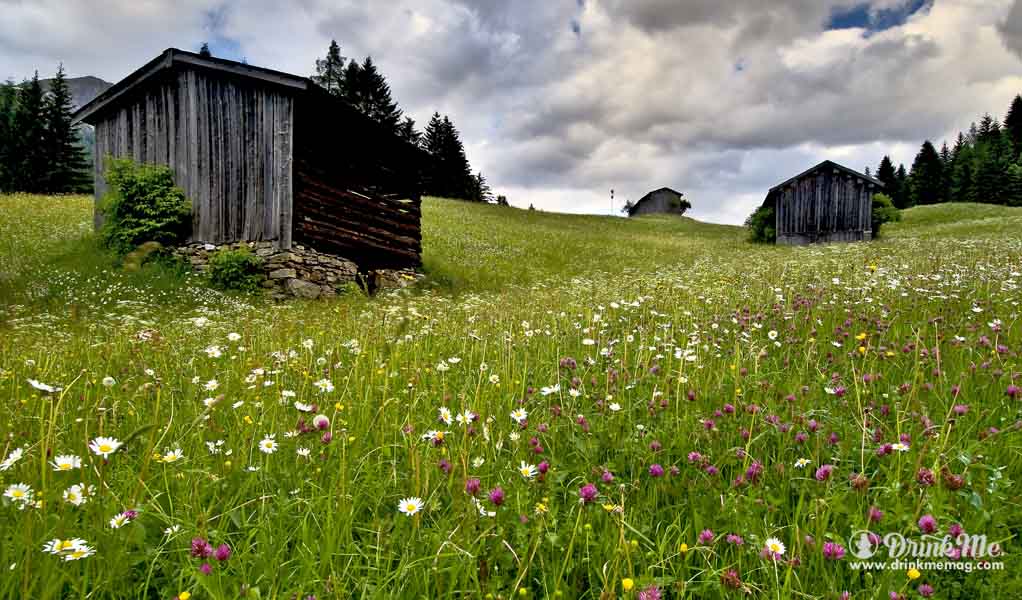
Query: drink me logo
(866, 545)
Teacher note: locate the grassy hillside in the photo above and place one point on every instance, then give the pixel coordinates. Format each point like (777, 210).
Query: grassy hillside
(476, 247)
(646, 405)
(957, 219)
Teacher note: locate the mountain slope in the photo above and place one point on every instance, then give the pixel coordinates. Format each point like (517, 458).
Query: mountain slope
(83, 89)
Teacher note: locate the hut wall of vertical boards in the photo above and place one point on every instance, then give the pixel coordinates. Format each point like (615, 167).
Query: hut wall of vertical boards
(826, 204)
(266, 156)
(228, 142)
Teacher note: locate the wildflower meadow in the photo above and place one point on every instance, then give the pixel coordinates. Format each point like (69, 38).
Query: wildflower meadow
(565, 407)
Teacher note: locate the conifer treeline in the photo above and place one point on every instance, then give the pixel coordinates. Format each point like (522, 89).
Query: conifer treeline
(364, 87)
(984, 165)
(39, 148)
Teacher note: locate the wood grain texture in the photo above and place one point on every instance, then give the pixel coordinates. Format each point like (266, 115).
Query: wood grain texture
(228, 141)
(823, 205)
(264, 155)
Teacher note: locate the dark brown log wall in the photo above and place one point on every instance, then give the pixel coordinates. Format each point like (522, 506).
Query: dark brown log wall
(228, 141)
(356, 187)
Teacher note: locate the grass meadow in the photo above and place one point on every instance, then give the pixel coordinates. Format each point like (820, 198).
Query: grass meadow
(566, 407)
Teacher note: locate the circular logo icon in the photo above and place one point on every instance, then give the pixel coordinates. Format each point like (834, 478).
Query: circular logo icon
(862, 546)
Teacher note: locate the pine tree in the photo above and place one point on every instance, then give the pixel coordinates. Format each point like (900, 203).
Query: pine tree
(374, 99)
(481, 191)
(901, 189)
(204, 50)
(431, 141)
(962, 188)
(408, 132)
(351, 84)
(29, 145)
(947, 168)
(450, 176)
(887, 176)
(926, 180)
(960, 144)
(1013, 124)
(457, 172)
(8, 104)
(330, 70)
(991, 167)
(988, 128)
(67, 164)
(1013, 187)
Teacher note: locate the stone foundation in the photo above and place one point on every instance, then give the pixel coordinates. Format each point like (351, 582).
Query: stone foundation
(301, 272)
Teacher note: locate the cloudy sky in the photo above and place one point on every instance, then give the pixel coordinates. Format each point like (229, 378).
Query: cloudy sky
(560, 101)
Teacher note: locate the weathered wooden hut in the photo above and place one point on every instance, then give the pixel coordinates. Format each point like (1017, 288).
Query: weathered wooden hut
(827, 203)
(265, 155)
(661, 201)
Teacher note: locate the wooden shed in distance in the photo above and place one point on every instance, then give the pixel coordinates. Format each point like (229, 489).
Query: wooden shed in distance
(827, 203)
(266, 156)
(661, 201)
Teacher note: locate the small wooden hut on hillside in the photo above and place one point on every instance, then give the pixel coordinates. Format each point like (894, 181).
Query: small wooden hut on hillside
(661, 201)
(266, 156)
(827, 203)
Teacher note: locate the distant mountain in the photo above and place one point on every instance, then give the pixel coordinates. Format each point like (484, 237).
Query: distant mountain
(83, 89)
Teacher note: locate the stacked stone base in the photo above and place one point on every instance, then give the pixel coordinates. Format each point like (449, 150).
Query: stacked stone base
(301, 272)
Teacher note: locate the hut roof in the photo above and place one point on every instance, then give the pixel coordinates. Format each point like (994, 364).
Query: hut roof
(827, 164)
(173, 58)
(646, 197)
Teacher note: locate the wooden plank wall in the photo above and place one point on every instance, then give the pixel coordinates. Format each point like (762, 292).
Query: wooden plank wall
(827, 205)
(229, 143)
(356, 187)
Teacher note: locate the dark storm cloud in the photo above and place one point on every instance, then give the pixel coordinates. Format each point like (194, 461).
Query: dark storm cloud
(1011, 28)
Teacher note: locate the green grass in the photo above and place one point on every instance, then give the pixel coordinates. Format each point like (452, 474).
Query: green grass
(486, 247)
(630, 343)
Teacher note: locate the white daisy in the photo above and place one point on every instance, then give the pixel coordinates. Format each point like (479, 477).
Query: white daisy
(775, 546)
(173, 456)
(303, 407)
(66, 462)
(268, 445)
(526, 470)
(104, 446)
(445, 415)
(519, 415)
(410, 506)
(78, 494)
(802, 462)
(233, 337)
(303, 452)
(42, 387)
(59, 546)
(79, 552)
(324, 385)
(614, 406)
(900, 447)
(19, 492)
(12, 458)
